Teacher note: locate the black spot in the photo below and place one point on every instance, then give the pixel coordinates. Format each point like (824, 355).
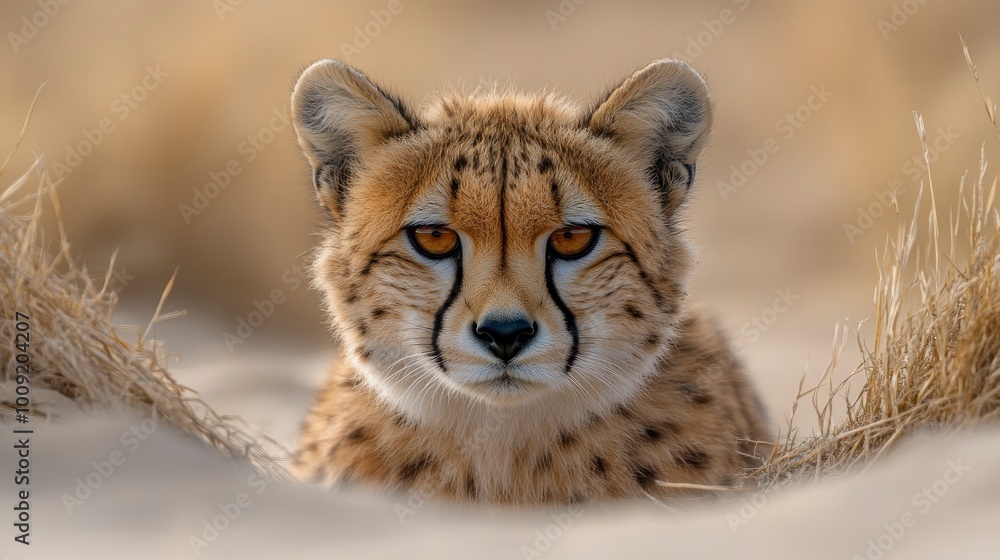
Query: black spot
(694, 458)
(644, 475)
(461, 162)
(651, 434)
(544, 462)
(653, 340)
(368, 267)
(357, 434)
(597, 463)
(454, 187)
(471, 489)
(634, 312)
(556, 197)
(351, 297)
(362, 329)
(545, 164)
(412, 470)
(623, 411)
(378, 312)
(566, 439)
(696, 394)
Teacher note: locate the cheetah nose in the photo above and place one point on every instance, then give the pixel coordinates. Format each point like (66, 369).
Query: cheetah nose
(505, 338)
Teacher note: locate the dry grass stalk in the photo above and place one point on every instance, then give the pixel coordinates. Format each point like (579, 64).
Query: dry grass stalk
(76, 351)
(935, 360)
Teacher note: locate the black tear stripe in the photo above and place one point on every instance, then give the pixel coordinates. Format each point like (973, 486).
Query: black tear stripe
(439, 316)
(568, 317)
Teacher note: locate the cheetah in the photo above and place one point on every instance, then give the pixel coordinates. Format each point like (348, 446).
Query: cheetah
(506, 273)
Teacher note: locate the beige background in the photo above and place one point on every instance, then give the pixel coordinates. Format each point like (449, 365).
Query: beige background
(220, 73)
(225, 67)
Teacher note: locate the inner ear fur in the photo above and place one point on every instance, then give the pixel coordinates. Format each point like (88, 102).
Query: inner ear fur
(339, 114)
(662, 113)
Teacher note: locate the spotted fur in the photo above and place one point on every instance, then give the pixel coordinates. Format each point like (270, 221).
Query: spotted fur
(622, 385)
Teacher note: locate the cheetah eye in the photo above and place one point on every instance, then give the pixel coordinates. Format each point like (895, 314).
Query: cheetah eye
(573, 242)
(435, 242)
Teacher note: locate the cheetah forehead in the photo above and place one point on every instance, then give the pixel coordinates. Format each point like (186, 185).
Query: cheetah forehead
(512, 161)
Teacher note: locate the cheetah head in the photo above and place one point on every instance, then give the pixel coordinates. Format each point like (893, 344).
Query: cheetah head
(503, 248)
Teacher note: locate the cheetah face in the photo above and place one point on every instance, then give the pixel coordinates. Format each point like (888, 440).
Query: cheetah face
(505, 249)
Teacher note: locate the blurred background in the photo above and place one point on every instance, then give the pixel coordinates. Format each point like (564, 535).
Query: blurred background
(166, 124)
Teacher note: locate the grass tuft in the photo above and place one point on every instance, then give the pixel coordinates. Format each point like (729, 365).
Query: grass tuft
(76, 351)
(935, 359)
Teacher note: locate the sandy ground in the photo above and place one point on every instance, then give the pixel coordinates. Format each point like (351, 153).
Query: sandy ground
(120, 486)
(171, 498)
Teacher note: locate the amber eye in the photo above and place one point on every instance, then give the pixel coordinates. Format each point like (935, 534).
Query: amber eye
(435, 242)
(574, 241)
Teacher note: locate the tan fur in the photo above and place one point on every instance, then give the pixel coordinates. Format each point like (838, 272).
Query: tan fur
(651, 391)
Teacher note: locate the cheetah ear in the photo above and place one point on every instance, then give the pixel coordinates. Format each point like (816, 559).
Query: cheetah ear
(662, 113)
(339, 115)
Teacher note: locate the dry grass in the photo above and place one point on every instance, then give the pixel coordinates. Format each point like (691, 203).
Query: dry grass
(935, 360)
(74, 348)
(934, 364)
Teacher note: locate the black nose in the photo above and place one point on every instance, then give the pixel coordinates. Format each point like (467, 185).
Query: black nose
(504, 338)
